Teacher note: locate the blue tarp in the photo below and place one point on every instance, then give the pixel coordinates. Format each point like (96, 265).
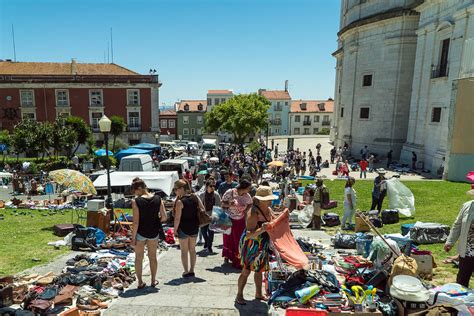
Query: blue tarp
(131, 151)
(146, 146)
(101, 153)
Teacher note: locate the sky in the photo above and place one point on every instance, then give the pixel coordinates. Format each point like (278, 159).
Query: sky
(194, 45)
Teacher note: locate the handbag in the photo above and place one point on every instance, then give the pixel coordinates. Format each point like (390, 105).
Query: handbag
(203, 218)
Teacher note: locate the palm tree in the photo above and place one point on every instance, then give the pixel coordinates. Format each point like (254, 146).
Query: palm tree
(117, 127)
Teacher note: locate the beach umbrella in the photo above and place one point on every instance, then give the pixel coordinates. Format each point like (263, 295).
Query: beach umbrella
(102, 153)
(73, 179)
(276, 163)
(470, 176)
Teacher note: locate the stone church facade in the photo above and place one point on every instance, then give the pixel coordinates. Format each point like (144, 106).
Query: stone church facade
(396, 63)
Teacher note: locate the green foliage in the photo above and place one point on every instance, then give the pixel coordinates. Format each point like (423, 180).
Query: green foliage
(324, 131)
(64, 138)
(242, 115)
(82, 132)
(5, 138)
(116, 129)
(103, 161)
(254, 146)
(119, 145)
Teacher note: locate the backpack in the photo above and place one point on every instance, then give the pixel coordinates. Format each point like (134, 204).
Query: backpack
(331, 220)
(324, 196)
(390, 216)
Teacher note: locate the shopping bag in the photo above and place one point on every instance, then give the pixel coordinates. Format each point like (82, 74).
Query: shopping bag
(220, 221)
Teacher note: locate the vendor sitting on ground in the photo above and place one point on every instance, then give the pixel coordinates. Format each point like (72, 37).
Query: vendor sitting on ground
(255, 243)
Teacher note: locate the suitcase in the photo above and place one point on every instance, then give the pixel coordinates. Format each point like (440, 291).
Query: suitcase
(62, 230)
(429, 233)
(390, 217)
(377, 222)
(331, 220)
(332, 204)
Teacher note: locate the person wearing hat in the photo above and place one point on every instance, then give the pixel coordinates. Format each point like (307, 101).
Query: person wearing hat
(236, 202)
(255, 243)
(350, 201)
(463, 232)
(379, 191)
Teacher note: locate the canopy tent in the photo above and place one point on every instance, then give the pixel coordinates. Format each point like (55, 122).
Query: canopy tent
(147, 146)
(155, 180)
(131, 151)
(102, 153)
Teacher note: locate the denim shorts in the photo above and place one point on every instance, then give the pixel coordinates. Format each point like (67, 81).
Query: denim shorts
(141, 238)
(182, 235)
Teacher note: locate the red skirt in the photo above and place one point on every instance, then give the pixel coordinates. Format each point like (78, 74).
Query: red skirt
(231, 243)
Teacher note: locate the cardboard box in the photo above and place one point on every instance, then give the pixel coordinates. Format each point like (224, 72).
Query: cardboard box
(360, 225)
(425, 264)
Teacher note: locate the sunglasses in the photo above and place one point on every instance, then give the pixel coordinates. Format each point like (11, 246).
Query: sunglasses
(211, 186)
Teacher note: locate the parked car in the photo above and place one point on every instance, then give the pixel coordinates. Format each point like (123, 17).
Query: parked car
(136, 163)
(179, 165)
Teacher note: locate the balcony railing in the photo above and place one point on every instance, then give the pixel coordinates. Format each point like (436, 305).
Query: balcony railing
(276, 122)
(134, 128)
(439, 71)
(326, 123)
(306, 123)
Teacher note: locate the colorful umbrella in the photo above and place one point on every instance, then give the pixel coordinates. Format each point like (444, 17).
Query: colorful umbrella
(101, 153)
(470, 176)
(276, 163)
(73, 179)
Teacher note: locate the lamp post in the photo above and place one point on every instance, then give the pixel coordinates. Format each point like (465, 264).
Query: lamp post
(157, 138)
(105, 125)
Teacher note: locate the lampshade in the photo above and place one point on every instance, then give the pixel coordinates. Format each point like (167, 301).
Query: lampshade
(105, 124)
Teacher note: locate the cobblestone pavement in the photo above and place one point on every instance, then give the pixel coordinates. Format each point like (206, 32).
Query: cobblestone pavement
(211, 292)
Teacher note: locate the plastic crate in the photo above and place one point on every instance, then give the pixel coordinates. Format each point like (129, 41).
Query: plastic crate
(293, 311)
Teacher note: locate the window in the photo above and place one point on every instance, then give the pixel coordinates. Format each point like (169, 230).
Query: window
(171, 123)
(193, 131)
(185, 119)
(133, 97)
(28, 116)
(297, 118)
(367, 81)
(364, 113)
(63, 114)
(436, 115)
(286, 103)
(164, 124)
(277, 131)
(222, 100)
(297, 131)
(342, 112)
(185, 131)
(216, 101)
(95, 117)
(199, 119)
(95, 98)
(316, 118)
(209, 101)
(306, 131)
(133, 119)
(306, 120)
(443, 60)
(315, 130)
(278, 104)
(198, 131)
(186, 107)
(27, 98)
(62, 98)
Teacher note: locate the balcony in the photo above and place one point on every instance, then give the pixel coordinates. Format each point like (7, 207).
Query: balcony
(278, 108)
(439, 71)
(326, 123)
(276, 122)
(134, 128)
(306, 123)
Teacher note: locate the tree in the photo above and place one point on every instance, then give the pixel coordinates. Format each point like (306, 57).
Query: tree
(117, 127)
(82, 130)
(242, 115)
(24, 138)
(64, 138)
(43, 137)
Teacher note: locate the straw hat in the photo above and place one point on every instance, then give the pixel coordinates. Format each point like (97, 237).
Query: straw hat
(265, 193)
(381, 171)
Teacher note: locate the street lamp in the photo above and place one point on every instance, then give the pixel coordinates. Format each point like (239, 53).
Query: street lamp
(105, 125)
(157, 137)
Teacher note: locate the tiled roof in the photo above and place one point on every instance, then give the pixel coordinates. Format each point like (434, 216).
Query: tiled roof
(276, 94)
(311, 106)
(40, 68)
(219, 92)
(167, 113)
(192, 104)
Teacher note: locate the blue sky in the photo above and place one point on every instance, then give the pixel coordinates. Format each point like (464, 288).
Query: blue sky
(195, 45)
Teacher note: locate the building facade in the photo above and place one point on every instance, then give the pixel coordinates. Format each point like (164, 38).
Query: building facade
(374, 73)
(310, 117)
(168, 125)
(215, 97)
(279, 111)
(190, 118)
(445, 53)
(46, 91)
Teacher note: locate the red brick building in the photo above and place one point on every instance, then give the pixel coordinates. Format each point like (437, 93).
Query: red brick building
(45, 91)
(168, 124)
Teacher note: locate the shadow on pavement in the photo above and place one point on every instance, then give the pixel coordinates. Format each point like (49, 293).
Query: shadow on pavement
(226, 269)
(181, 281)
(255, 307)
(139, 292)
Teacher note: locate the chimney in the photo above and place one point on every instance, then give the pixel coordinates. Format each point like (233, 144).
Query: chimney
(73, 66)
(260, 91)
(286, 85)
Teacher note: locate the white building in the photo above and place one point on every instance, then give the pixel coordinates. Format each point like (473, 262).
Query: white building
(397, 63)
(310, 117)
(215, 97)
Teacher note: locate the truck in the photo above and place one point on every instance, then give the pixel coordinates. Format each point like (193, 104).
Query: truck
(210, 142)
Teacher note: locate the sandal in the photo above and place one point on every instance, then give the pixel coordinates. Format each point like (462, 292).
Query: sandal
(262, 298)
(240, 301)
(141, 286)
(154, 284)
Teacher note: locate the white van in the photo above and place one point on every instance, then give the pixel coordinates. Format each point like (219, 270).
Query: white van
(179, 165)
(136, 163)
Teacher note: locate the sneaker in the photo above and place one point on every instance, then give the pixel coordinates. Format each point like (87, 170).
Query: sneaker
(110, 292)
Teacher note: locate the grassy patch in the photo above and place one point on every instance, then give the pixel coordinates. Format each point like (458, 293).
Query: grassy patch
(435, 201)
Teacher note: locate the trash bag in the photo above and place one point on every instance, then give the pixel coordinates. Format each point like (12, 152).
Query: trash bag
(400, 198)
(305, 216)
(220, 221)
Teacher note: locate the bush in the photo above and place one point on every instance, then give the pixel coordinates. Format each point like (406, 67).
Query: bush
(103, 161)
(324, 131)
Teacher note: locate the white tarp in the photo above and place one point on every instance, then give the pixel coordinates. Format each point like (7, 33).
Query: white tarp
(400, 197)
(156, 180)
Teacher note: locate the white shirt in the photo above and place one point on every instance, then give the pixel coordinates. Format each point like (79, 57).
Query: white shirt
(350, 191)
